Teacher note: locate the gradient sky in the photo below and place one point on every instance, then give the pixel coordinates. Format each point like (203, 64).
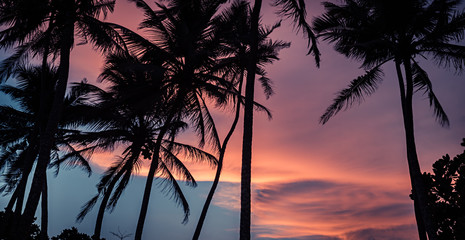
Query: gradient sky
(345, 180)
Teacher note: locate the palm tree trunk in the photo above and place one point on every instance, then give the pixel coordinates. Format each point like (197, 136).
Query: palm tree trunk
(18, 194)
(14, 197)
(148, 184)
(42, 124)
(416, 179)
(420, 223)
(44, 82)
(206, 205)
(44, 212)
(47, 139)
(246, 175)
(103, 205)
(419, 219)
(106, 197)
(18, 198)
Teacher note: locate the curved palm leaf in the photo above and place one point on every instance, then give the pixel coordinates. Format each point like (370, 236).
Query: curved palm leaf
(360, 87)
(422, 82)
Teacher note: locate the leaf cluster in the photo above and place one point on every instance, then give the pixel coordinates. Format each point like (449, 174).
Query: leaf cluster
(446, 192)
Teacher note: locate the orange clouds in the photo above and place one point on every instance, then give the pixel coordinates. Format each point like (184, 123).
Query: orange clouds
(327, 208)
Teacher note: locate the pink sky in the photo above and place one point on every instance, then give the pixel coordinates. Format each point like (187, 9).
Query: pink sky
(345, 176)
(347, 179)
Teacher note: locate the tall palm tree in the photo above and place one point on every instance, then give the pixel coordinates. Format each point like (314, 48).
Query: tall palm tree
(185, 41)
(369, 32)
(233, 27)
(25, 22)
(69, 17)
(289, 9)
(20, 133)
(136, 102)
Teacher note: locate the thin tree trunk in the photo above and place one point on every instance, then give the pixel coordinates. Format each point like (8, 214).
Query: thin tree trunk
(148, 184)
(246, 175)
(416, 179)
(106, 197)
(103, 205)
(419, 219)
(206, 205)
(420, 223)
(44, 211)
(177, 106)
(17, 199)
(44, 83)
(18, 194)
(14, 197)
(47, 139)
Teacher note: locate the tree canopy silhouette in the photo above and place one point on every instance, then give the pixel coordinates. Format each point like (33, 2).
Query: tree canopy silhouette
(130, 116)
(26, 29)
(368, 31)
(446, 196)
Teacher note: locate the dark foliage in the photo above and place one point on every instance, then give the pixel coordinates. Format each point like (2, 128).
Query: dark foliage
(446, 196)
(73, 234)
(32, 230)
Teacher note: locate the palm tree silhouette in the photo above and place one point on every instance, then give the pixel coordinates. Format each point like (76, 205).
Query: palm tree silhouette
(68, 16)
(187, 48)
(25, 22)
(289, 9)
(20, 133)
(136, 117)
(233, 26)
(369, 32)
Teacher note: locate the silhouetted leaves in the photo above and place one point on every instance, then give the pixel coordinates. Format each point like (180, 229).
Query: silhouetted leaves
(447, 196)
(360, 87)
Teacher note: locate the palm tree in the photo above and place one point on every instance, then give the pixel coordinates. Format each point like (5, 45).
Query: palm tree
(291, 9)
(233, 25)
(186, 43)
(20, 133)
(25, 22)
(134, 123)
(68, 16)
(369, 32)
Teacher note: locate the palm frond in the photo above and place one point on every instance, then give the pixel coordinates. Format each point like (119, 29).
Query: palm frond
(137, 44)
(364, 85)
(119, 189)
(447, 55)
(197, 117)
(103, 36)
(422, 82)
(191, 152)
(75, 158)
(266, 85)
(86, 208)
(210, 125)
(295, 10)
(111, 174)
(9, 154)
(102, 7)
(10, 64)
(452, 28)
(171, 187)
(175, 165)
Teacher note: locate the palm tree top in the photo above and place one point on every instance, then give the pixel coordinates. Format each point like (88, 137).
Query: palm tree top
(368, 32)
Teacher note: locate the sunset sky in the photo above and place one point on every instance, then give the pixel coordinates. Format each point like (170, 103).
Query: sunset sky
(347, 179)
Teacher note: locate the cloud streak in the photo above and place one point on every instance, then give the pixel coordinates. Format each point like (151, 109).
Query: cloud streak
(319, 207)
